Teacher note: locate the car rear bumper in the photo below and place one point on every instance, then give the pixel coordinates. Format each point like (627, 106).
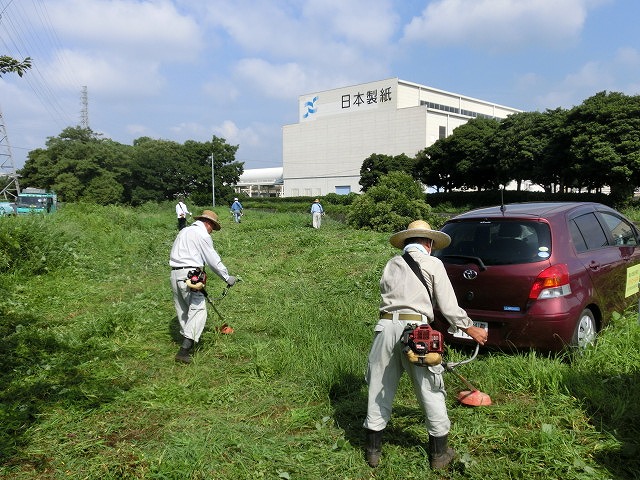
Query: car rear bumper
(514, 331)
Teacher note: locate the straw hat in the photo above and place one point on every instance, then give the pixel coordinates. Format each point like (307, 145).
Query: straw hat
(212, 217)
(420, 229)
(316, 201)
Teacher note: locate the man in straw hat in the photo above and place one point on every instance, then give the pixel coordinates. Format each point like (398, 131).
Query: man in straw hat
(405, 300)
(193, 248)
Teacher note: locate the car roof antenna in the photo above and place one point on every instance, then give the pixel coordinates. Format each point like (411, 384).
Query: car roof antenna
(502, 207)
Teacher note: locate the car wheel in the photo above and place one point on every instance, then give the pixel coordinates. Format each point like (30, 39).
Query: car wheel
(585, 332)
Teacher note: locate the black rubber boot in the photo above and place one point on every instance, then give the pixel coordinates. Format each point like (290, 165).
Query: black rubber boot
(183, 354)
(440, 454)
(374, 447)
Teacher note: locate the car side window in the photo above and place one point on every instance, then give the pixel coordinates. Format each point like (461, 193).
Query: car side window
(576, 236)
(621, 231)
(587, 233)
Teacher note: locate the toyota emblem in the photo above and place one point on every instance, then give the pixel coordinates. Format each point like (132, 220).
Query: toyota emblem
(470, 274)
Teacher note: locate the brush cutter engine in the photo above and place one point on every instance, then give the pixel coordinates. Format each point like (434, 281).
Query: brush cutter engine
(196, 279)
(423, 345)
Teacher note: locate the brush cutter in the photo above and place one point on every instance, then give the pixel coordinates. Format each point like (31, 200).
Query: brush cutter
(472, 397)
(424, 347)
(196, 280)
(224, 328)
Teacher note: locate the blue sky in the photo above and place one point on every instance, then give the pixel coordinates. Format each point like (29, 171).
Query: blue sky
(190, 69)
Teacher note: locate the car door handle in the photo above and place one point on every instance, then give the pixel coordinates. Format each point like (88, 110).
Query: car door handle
(593, 265)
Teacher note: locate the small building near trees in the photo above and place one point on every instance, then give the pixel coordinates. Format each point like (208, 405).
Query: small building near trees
(261, 182)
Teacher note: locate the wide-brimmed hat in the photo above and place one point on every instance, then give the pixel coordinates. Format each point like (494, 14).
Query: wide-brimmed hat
(316, 201)
(212, 217)
(420, 229)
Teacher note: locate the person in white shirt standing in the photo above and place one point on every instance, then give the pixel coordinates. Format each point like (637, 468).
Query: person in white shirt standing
(193, 248)
(181, 212)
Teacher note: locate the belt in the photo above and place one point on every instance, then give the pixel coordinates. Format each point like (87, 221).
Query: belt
(182, 268)
(402, 316)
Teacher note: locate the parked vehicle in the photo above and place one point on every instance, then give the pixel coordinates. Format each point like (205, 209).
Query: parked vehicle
(6, 208)
(35, 200)
(541, 275)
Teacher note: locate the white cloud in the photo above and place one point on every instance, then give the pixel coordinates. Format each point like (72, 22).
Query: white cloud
(619, 73)
(106, 74)
(115, 47)
(234, 135)
(130, 28)
(500, 25)
(288, 48)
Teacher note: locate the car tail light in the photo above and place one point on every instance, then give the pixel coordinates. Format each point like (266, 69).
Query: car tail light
(551, 283)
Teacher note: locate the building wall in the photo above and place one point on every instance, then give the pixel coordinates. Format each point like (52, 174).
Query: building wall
(338, 129)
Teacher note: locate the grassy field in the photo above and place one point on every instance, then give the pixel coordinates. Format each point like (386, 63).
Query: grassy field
(89, 388)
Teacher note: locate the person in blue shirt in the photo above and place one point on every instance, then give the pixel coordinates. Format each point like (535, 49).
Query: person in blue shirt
(236, 210)
(317, 212)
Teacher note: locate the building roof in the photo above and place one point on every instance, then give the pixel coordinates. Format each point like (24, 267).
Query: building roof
(261, 176)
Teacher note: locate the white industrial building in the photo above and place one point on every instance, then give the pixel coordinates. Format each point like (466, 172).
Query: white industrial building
(338, 129)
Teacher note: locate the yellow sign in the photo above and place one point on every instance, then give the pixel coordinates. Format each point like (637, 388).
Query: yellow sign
(633, 277)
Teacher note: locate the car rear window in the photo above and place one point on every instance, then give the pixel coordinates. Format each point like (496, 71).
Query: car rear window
(499, 242)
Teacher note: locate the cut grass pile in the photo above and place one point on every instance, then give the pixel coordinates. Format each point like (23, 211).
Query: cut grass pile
(89, 388)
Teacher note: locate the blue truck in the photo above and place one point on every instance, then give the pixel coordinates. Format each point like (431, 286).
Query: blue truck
(35, 200)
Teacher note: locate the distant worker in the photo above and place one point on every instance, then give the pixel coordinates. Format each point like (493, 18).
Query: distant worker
(181, 212)
(236, 210)
(316, 213)
(191, 251)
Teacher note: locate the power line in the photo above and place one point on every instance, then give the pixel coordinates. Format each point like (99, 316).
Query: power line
(27, 33)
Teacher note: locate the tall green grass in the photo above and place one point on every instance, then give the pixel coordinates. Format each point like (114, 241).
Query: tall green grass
(89, 388)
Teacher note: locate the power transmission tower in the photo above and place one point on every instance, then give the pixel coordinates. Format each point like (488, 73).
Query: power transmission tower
(7, 167)
(84, 112)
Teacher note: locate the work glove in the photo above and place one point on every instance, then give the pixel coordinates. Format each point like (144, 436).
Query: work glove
(231, 281)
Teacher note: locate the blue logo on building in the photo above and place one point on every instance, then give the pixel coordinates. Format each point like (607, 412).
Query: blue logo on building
(311, 107)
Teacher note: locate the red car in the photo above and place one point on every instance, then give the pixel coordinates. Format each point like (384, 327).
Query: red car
(541, 275)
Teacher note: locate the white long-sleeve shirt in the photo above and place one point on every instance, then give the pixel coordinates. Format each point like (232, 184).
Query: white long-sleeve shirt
(182, 210)
(193, 247)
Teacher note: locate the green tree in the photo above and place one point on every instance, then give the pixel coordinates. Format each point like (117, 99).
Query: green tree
(433, 167)
(72, 161)
(11, 65)
(104, 189)
(603, 138)
(377, 165)
(461, 160)
(517, 144)
(391, 205)
(156, 166)
(226, 170)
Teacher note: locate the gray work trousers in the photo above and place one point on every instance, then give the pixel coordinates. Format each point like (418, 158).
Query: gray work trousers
(191, 306)
(386, 365)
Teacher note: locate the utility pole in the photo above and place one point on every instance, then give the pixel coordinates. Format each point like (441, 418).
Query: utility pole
(84, 112)
(213, 184)
(7, 167)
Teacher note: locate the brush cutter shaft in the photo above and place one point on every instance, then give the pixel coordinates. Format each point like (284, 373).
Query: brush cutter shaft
(460, 377)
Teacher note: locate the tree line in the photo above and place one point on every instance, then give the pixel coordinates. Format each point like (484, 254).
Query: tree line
(586, 148)
(80, 165)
